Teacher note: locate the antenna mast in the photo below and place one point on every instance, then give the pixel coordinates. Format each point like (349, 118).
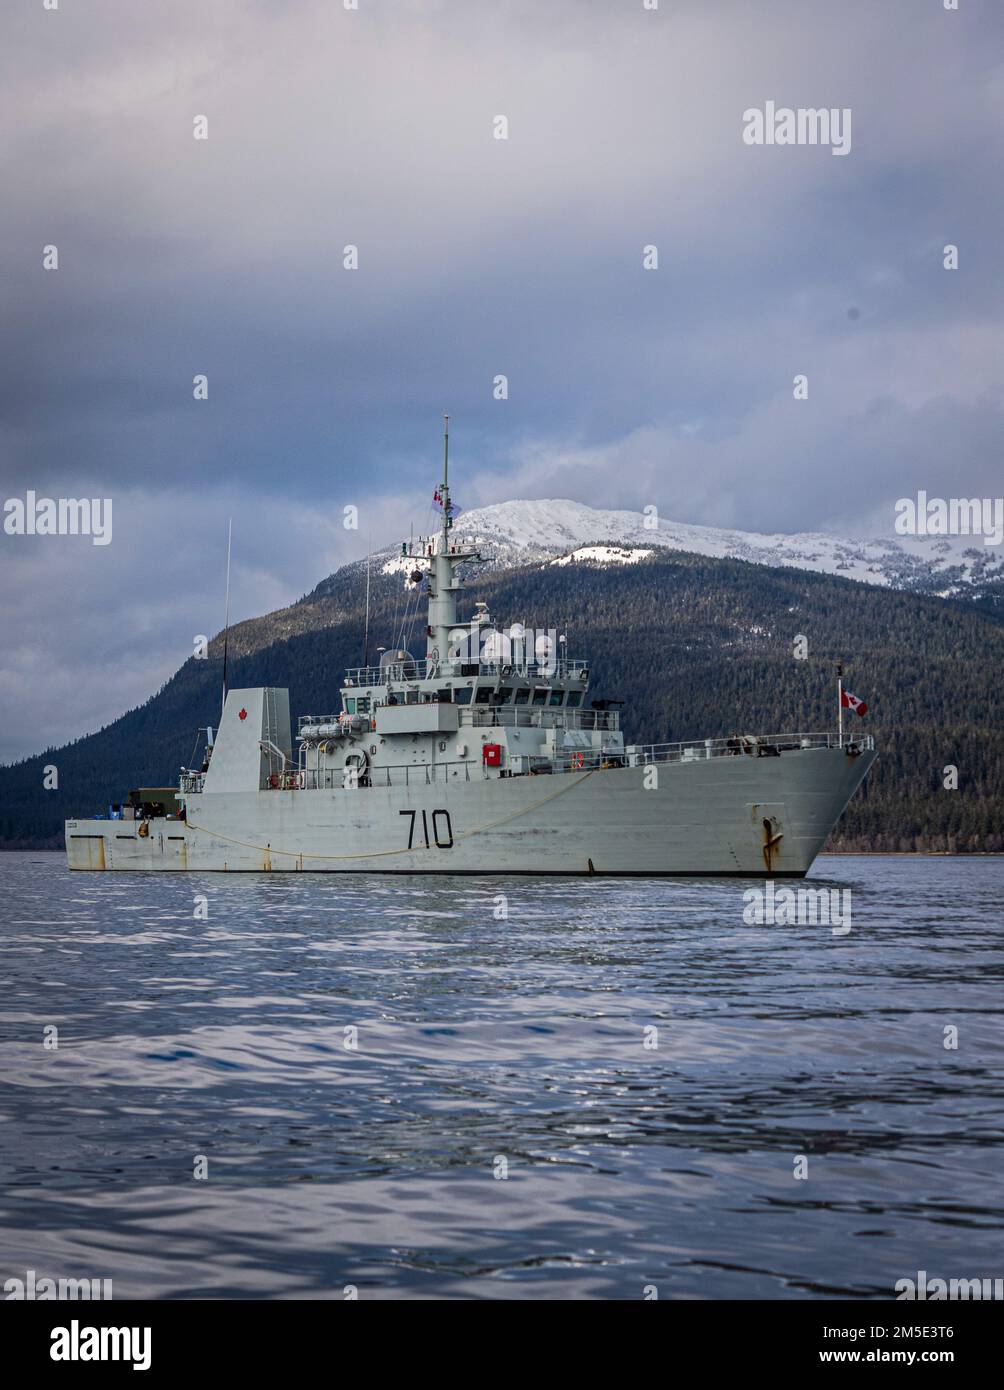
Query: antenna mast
(444, 583)
(226, 619)
(446, 478)
(366, 630)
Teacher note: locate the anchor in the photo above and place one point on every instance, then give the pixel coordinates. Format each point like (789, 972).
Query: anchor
(770, 842)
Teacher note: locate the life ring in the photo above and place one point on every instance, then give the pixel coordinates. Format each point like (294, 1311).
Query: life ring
(578, 760)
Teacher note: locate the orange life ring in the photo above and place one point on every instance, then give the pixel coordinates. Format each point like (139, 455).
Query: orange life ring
(577, 760)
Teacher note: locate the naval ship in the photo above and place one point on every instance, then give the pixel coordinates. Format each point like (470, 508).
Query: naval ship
(484, 756)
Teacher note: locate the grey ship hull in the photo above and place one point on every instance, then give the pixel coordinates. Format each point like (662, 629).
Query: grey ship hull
(762, 817)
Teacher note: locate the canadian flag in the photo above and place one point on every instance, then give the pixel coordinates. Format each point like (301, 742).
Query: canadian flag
(850, 701)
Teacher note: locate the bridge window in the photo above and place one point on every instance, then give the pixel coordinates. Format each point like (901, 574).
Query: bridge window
(462, 695)
(540, 697)
(522, 696)
(484, 695)
(505, 695)
(363, 704)
(574, 699)
(556, 697)
(350, 705)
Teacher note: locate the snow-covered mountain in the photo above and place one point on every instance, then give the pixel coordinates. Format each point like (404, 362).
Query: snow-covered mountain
(559, 531)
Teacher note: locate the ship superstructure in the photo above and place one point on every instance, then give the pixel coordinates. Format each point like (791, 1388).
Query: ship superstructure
(485, 755)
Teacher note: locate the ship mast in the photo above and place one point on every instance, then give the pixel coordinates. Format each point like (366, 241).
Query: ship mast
(446, 465)
(226, 618)
(443, 583)
(445, 490)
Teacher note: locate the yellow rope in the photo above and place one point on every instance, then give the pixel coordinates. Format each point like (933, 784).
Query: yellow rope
(382, 853)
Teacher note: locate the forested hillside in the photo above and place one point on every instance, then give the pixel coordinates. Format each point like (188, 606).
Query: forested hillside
(698, 648)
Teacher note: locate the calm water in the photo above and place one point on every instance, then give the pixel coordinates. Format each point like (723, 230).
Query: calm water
(483, 1040)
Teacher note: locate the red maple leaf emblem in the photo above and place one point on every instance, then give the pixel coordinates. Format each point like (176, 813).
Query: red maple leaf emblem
(242, 714)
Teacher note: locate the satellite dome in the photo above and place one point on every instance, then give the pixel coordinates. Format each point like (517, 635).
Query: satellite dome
(394, 656)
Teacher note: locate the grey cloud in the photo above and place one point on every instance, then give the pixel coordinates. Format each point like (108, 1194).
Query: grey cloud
(481, 257)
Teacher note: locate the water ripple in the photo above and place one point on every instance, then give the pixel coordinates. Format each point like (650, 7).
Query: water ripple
(360, 1061)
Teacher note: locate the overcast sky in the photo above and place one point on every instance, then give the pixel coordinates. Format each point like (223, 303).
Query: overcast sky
(477, 257)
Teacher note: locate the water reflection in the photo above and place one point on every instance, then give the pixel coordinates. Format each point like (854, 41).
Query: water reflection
(647, 1066)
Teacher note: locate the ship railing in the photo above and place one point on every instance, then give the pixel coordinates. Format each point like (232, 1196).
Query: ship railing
(394, 775)
(503, 717)
(397, 672)
(586, 760)
(506, 717)
(568, 760)
(557, 669)
(427, 774)
(697, 750)
(744, 745)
